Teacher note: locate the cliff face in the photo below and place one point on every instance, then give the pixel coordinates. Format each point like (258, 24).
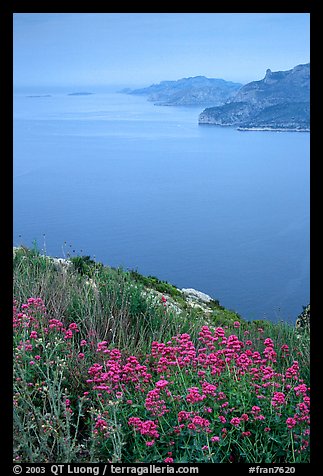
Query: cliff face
(279, 101)
(195, 91)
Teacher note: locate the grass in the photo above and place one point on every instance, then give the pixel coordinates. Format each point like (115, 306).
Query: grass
(110, 366)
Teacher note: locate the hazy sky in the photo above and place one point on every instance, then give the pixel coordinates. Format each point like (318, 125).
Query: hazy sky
(138, 49)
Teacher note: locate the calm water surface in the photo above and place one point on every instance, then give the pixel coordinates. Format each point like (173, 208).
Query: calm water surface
(147, 188)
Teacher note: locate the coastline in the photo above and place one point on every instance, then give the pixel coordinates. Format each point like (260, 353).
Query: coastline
(258, 129)
(271, 129)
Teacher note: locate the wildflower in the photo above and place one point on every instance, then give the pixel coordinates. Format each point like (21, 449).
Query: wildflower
(303, 408)
(168, 460)
(236, 324)
(37, 357)
(73, 327)
(81, 355)
(31, 362)
(307, 401)
(269, 342)
(191, 426)
(235, 421)
(269, 353)
(101, 424)
(161, 383)
(203, 422)
(278, 399)
(28, 346)
(260, 417)
(221, 396)
(83, 343)
(33, 335)
(245, 433)
(208, 389)
(256, 357)
(183, 415)
(243, 361)
(102, 346)
(215, 439)
(244, 417)
(292, 372)
(268, 373)
(194, 395)
(95, 369)
(68, 334)
(147, 427)
(233, 343)
(219, 332)
(267, 429)
(55, 324)
(301, 389)
(291, 422)
(150, 443)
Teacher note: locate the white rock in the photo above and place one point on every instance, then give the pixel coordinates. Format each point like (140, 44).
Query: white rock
(193, 293)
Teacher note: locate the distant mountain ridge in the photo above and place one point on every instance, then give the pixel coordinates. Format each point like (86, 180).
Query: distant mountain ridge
(279, 101)
(193, 91)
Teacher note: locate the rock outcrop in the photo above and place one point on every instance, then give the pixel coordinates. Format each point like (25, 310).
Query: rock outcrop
(280, 101)
(304, 319)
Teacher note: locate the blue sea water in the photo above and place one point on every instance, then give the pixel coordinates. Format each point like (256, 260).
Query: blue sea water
(145, 187)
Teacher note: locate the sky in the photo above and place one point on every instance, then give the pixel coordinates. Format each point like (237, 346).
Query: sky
(139, 49)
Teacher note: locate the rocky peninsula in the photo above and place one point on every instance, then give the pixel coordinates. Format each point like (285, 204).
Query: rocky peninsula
(280, 102)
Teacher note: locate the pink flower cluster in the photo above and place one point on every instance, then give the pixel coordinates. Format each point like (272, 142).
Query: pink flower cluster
(180, 352)
(193, 421)
(179, 387)
(278, 399)
(113, 374)
(293, 371)
(219, 355)
(154, 402)
(147, 428)
(31, 311)
(35, 327)
(269, 351)
(101, 426)
(194, 395)
(34, 315)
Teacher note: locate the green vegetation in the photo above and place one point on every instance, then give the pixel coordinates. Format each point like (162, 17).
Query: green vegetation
(112, 366)
(155, 283)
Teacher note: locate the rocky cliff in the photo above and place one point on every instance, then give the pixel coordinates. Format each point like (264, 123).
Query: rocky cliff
(279, 101)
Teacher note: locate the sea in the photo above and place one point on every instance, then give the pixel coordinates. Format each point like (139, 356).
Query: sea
(145, 187)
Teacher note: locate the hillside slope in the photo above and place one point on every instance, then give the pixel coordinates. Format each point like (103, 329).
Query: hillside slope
(279, 101)
(194, 91)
